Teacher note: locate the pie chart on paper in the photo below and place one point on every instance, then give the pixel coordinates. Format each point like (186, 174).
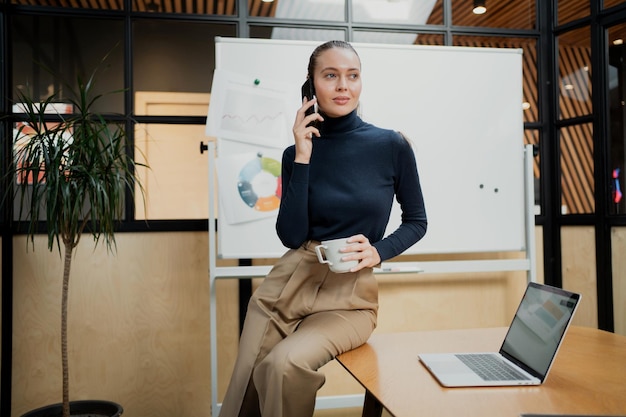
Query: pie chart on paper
(259, 183)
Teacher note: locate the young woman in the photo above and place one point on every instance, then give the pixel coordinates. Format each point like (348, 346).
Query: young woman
(339, 180)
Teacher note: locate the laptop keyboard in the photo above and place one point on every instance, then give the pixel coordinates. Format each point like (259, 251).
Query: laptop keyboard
(490, 367)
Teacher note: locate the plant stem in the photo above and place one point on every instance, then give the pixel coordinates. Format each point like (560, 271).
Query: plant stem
(69, 247)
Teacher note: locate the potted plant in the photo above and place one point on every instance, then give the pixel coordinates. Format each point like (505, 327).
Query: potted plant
(70, 171)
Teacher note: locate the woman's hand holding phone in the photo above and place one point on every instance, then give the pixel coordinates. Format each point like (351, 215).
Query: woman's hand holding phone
(308, 93)
(304, 129)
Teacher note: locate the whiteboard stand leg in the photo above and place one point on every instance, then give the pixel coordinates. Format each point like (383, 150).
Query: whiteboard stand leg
(529, 177)
(212, 277)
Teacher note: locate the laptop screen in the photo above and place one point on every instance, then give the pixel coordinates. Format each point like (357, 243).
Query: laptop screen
(538, 327)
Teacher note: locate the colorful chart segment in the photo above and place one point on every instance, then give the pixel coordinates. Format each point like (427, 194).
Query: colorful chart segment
(259, 183)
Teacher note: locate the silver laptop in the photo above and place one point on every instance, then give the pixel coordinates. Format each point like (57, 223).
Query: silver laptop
(528, 350)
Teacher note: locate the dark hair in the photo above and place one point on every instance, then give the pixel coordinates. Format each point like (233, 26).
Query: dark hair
(324, 47)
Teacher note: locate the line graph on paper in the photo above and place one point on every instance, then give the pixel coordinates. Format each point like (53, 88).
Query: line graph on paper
(253, 114)
(256, 113)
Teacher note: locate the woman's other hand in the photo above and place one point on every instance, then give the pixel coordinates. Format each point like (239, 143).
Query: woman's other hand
(364, 252)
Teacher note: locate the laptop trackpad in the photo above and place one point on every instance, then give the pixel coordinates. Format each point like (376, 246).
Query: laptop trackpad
(445, 364)
(450, 367)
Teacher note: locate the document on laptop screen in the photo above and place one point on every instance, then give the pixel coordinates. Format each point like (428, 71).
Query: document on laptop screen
(538, 327)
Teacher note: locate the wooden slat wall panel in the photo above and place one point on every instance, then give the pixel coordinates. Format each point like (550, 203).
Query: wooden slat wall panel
(529, 75)
(576, 143)
(259, 8)
(568, 10)
(575, 70)
(517, 14)
(429, 39)
(577, 169)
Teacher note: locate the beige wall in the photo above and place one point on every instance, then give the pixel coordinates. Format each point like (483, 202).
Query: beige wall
(579, 270)
(138, 325)
(618, 242)
(579, 273)
(139, 321)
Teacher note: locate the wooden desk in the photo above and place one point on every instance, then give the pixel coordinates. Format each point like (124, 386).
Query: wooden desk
(588, 376)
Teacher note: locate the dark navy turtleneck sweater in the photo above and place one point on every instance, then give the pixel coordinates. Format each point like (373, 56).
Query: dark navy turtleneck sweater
(348, 188)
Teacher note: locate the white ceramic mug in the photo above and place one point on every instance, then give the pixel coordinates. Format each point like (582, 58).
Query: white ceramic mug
(332, 256)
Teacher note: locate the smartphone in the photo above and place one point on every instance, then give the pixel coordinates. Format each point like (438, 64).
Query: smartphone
(308, 91)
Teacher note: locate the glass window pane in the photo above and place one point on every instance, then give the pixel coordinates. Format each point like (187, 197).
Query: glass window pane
(577, 183)
(27, 151)
(261, 32)
(41, 42)
(79, 4)
(329, 10)
(320, 35)
(397, 12)
(398, 38)
(568, 10)
(176, 184)
(4, 157)
(162, 61)
(529, 66)
(186, 7)
(519, 14)
(617, 118)
(575, 73)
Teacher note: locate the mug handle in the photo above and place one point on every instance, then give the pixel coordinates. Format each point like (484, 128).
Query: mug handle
(318, 252)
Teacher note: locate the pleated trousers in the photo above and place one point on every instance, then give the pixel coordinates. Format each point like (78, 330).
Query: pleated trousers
(301, 317)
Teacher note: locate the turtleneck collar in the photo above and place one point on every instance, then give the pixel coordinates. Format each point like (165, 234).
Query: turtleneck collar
(342, 124)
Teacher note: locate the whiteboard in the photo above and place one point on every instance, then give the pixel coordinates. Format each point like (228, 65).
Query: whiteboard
(462, 109)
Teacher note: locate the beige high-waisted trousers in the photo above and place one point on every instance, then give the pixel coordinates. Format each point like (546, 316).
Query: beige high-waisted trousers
(300, 317)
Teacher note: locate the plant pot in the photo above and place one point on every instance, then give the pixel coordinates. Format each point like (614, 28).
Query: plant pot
(85, 408)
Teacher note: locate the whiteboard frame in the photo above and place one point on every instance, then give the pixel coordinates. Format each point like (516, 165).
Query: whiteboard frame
(468, 193)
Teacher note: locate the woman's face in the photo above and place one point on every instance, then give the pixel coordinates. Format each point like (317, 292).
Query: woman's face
(337, 80)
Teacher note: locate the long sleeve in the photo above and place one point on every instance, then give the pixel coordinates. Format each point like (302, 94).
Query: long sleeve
(292, 224)
(355, 172)
(409, 195)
